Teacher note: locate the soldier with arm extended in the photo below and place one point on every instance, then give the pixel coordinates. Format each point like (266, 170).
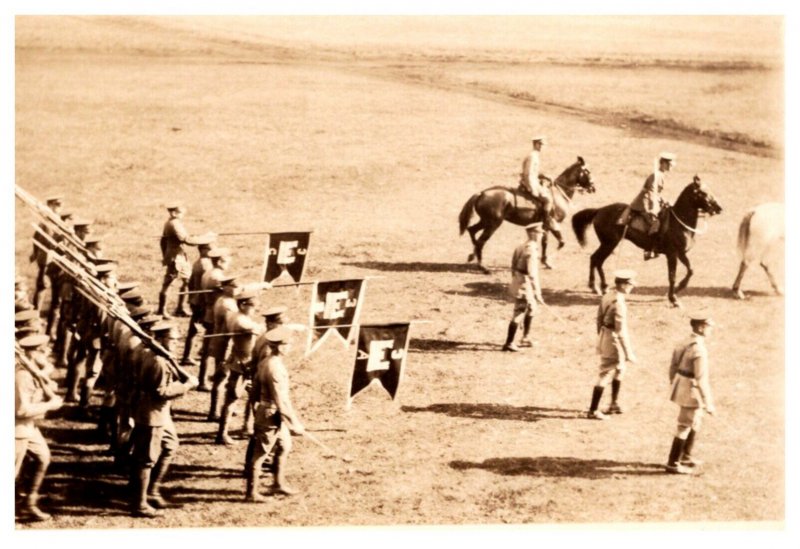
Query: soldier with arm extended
(275, 417)
(613, 344)
(691, 390)
(525, 288)
(174, 258)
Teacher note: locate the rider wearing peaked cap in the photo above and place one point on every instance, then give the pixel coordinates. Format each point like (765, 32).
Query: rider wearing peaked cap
(648, 201)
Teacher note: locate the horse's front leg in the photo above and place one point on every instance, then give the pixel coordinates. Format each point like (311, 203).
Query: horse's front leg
(689, 272)
(672, 267)
(545, 261)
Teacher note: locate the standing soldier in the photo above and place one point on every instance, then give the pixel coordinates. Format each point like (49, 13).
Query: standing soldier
(205, 243)
(648, 201)
(613, 345)
(275, 417)
(210, 281)
(525, 287)
(689, 373)
(218, 346)
(174, 258)
(155, 439)
(244, 326)
(530, 180)
(39, 255)
(34, 395)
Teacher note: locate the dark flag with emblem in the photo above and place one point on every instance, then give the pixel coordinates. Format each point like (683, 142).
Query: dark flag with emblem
(335, 305)
(286, 255)
(381, 354)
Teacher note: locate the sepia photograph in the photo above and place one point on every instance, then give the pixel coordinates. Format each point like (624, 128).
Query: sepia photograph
(315, 270)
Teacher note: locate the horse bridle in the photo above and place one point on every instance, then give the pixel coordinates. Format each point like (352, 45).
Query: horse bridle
(687, 227)
(563, 192)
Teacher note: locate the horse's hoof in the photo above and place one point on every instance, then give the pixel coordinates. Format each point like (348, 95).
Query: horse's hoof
(470, 258)
(596, 290)
(547, 265)
(484, 270)
(738, 294)
(676, 304)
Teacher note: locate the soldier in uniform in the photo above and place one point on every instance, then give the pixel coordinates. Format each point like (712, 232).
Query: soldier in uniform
(239, 364)
(530, 180)
(22, 301)
(275, 417)
(648, 201)
(210, 281)
(691, 390)
(202, 264)
(525, 288)
(613, 345)
(218, 346)
(34, 395)
(173, 239)
(155, 439)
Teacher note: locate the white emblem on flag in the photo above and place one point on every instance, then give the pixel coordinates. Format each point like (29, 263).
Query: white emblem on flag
(378, 356)
(335, 303)
(287, 252)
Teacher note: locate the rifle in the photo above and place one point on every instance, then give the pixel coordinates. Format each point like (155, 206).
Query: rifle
(44, 382)
(48, 216)
(66, 250)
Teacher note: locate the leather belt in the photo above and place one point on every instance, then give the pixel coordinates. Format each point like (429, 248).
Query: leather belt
(684, 373)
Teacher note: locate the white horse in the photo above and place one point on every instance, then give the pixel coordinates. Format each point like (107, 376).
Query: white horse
(760, 230)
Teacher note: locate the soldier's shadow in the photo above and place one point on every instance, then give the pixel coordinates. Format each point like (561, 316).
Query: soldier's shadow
(498, 291)
(546, 466)
(86, 488)
(449, 346)
(496, 411)
(415, 266)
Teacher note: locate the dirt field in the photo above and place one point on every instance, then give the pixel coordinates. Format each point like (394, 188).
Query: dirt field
(376, 144)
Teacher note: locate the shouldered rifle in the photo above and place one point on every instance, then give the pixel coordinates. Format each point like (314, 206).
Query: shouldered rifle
(44, 381)
(48, 216)
(65, 250)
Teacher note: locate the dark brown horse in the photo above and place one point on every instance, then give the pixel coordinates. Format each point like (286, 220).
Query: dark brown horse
(676, 237)
(497, 204)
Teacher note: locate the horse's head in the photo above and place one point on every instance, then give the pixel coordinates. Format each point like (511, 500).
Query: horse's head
(582, 177)
(702, 198)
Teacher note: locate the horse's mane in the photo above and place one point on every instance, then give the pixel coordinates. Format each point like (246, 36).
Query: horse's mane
(682, 197)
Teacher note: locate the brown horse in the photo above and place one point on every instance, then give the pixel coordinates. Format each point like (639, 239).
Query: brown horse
(497, 204)
(675, 239)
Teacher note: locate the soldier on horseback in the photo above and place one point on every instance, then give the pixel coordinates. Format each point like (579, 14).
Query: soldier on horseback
(649, 202)
(530, 183)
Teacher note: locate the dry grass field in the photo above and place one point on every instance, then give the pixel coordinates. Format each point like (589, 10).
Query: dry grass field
(375, 142)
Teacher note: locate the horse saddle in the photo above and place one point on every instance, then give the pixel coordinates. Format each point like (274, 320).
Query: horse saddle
(639, 221)
(524, 199)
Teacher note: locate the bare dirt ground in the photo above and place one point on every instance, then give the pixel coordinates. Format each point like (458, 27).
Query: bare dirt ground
(377, 156)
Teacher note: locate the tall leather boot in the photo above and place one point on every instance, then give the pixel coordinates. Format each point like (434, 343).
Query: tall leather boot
(157, 476)
(187, 347)
(615, 408)
(30, 508)
(202, 374)
(248, 456)
(216, 392)
(686, 457)
(512, 332)
(253, 492)
(162, 301)
(673, 466)
(179, 310)
(279, 485)
(224, 419)
(526, 330)
(140, 481)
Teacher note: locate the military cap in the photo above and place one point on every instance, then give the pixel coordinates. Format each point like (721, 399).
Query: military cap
(175, 206)
(667, 156)
(31, 328)
(123, 287)
(205, 239)
(33, 341)
(273, 313)
(163, 326)
(26, 316)
(539, 138)
(94, 239)
(536, 226)
(624, 275)
(131, 295)
(227, 279)
(150, 319)
(280, 334)
(219, 252)
(699, 318)
(247, 294)
(139, 312)
(82, 222)
(106, 267)
(54, 199)
(66, 215)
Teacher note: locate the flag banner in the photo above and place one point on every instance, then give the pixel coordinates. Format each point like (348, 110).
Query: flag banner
(335, 305)
(285, 255)
(380, 354)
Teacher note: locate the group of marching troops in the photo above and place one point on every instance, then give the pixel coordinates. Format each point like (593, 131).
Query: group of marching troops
(100, 326)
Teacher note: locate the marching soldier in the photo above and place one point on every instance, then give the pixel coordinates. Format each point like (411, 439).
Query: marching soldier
(238, 365)
(531, 181)
(648, 201)
(613, 345)
(275, 417)
(155, 439)
(174, 258)
(525, 288)
(202, 264)
(218, 346)
(691, 390)
(34, 395)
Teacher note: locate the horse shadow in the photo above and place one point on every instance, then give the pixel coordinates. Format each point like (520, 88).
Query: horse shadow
(546, 466)
(498, 291)
(415, 266)
(496, 411)
(449, 346)
(692, 291)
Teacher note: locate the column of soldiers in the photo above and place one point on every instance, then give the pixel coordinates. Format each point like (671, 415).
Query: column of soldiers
(103, 326)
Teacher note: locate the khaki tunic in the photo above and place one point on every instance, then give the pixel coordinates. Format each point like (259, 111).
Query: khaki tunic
(530, 173)
(201, 266)
(689, 374)
(648, 199)
(613, 343)
(525, 272)
(157, 387)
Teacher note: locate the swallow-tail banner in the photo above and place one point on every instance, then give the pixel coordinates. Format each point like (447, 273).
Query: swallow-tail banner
(285, 254)
(380, 354)
(335, 305)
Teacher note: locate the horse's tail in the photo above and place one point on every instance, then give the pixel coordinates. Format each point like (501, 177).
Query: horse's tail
(744, 234)
(466, 213)
(580, 221)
